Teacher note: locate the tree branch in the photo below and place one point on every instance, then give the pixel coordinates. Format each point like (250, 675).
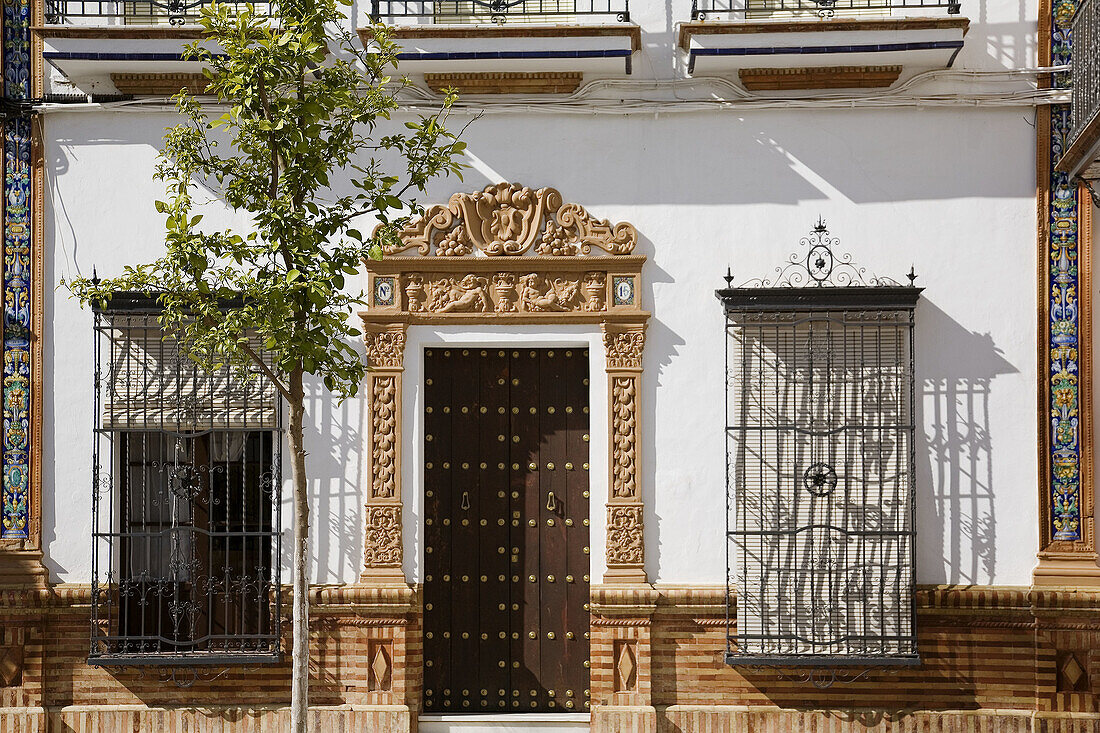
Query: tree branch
(284, 390)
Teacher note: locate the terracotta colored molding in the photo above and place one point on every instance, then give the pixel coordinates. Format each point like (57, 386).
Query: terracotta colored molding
(819, 77)
(183, 33)
(549, 82)
(711, 28)
(541, 272)
(159, 84)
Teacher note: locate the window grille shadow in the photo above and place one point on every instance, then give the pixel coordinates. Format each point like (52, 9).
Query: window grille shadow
(956, 494)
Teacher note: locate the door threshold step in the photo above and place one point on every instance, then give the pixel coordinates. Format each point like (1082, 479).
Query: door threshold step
(505, 723)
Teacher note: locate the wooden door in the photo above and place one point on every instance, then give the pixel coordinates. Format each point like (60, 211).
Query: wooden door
(506, 560)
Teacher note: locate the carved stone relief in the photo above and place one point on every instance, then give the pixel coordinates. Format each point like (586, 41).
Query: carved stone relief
(383, 436)
(624, 437)
(508, 219)
(383, 535)
(506, 254)
(385, 349)
(624, 534)
(506, 292)
(624, 348)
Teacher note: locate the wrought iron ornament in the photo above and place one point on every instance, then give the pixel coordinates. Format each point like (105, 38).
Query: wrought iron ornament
(736, 9)
(144, 12)
(819, 264)
(185, 504)
(498, 11)
(1064, 317)
(820, 466)
(17, 276)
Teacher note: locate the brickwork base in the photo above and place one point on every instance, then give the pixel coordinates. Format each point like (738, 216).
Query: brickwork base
(112, 718)
(993, 660)
(733, 719)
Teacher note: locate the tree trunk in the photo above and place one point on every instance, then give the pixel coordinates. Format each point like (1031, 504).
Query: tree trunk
(299, 688)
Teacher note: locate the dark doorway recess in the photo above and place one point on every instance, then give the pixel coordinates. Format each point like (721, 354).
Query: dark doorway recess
(506, 484)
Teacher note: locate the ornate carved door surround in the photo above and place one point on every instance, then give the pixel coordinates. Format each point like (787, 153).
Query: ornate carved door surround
(507, 254)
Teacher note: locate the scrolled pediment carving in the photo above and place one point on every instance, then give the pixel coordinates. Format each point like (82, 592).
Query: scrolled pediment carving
(508, 220)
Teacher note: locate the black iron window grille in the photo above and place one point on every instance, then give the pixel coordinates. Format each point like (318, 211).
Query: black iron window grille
(771, 9)
(498, 11)
(820, 465)
(143, 12)
(1085, 66)
(185, 502)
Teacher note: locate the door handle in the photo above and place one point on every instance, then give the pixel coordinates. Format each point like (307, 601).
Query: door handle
(551, 502)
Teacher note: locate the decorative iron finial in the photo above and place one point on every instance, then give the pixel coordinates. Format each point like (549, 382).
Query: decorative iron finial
(95, 277)
(822, 264)
(728, 277)
(912, 275)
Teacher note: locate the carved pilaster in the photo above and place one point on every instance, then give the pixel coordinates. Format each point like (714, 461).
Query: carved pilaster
(624, 344)
(385, 349)
(508, 255)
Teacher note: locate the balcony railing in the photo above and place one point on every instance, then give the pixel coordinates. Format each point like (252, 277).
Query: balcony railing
(794, 9)
(1085, 65)
(498, 11)
(139, 12)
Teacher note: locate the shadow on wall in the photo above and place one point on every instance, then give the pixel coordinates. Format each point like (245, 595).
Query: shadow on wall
(335, 466)
(955, 492)
(661, 347)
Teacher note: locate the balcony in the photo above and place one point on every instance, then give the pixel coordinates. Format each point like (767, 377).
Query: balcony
(1081, 157)
(132, 47)
(499, 12)
(509, 46)
(777, 45)
(134, 12)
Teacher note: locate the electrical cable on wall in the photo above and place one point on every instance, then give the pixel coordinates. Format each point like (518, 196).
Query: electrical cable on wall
(587, 99)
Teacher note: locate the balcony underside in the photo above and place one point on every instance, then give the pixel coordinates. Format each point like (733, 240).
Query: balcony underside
(557, 48)
(1082, 158)
(914, 44)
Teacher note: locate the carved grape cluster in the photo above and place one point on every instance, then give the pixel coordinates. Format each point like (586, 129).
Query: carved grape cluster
(454, 243)
(556, 241)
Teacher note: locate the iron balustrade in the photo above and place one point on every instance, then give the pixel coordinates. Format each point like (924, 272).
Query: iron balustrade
(773, 9)
(1085, 67)
(498, 11)
(142, 12)
(186, 483)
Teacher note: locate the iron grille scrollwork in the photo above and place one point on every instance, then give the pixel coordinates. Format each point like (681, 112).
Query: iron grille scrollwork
(144, 12)
(498, 11)
(702, 10)
(186, 483)
(820, 465)
(1085, 65)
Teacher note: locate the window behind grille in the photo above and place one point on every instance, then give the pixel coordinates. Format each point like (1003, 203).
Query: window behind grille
(820, 475)
(186, 485)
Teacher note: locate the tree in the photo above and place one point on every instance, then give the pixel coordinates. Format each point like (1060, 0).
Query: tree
(302, 103)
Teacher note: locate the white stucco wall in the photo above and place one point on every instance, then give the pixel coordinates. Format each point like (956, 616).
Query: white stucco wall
(949, 191)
